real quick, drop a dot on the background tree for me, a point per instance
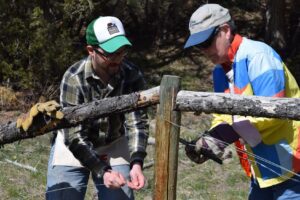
(275, 24)
(41, 38)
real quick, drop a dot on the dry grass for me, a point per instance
(8, 98)
(207, 181)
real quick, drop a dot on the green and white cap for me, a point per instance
(107, 32)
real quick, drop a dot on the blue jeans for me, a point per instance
(70, 183)
(290, 189)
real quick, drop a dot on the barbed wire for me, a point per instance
(248, 153)
(259, 160)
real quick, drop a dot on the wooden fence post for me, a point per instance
(167, 135)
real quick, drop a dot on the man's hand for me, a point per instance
(206, 144)
(37, 112)
(113, 179)
(137, 177)
(212, 143)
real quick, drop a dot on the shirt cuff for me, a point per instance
(137, 157)
(248, 132)
(99, 171)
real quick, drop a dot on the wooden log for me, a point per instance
(166, 137)
(84, 113)
(284, 108)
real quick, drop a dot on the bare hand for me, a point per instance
(137, 177)
(113, 179)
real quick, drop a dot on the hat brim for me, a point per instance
(115, 43)
(198, 38)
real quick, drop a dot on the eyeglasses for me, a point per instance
(207, 43)
(111, 56)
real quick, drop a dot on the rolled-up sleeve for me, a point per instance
(137, 124)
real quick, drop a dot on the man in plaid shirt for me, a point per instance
(112, 148)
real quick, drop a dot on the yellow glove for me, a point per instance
(49, 108)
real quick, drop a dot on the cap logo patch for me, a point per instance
(194, 23)
(112, 28)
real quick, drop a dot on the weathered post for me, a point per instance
(167, 135)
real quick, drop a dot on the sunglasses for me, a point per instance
(111, 56)
(207, 43)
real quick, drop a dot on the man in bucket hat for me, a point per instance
(109, 149)
(248, 67)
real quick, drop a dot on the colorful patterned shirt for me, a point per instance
(258, 70)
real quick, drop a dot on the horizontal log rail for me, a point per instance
(257, 106)
(284, 108)
(83, 113)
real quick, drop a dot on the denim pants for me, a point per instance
(70, 183)
(290, 189)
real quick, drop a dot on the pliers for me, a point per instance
(203, 151)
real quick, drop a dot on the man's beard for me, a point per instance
(113, 68)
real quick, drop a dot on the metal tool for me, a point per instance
(203, 151)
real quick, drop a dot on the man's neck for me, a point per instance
(102, 74)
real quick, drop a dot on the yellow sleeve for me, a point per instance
(265, 126)
(220, 118)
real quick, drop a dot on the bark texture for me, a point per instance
(83, 114)
(284, 108)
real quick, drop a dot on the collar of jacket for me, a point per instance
(235, 44)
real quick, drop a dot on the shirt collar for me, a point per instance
(90, 74)
(234, 46)
(88, 69)
(237, 40)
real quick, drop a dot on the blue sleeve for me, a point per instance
(266, 74)
(219, 79)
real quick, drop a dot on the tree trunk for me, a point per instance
(294, 27)
(275, 25)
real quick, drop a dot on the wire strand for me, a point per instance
(258, 160)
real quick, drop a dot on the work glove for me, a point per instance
(39, 115)
(212, 143)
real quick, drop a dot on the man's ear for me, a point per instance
(90, 49)
(226, 28)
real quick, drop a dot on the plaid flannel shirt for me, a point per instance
(81, 85)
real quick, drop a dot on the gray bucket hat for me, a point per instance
(203, 22)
